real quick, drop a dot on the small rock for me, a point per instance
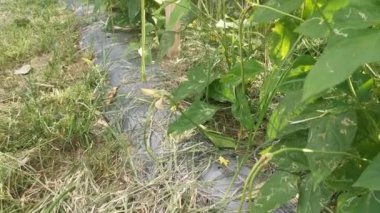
(25, 69)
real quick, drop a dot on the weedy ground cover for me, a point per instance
(47, 116)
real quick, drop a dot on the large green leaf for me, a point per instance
(359, 14)
(198, 113)
(277, 190)
(219, 140)
(314, 27)
(291, 161)
(332, 133)
(346, 174)
(370, 178)
(265, 15)
(251, 69)
(198, 78)
(342, 56)
(241, 109)
(221, 92)
(133, 9)
(363, 203)
(312, 199)
(330, 7)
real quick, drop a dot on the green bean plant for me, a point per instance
(306, 72)
(314, 65)
(149, 16)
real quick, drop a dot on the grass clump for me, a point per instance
(55, 155)
(48, 117)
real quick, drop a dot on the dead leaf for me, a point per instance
(159, 104)
(101, 122)
(111, 95)
(154, 93)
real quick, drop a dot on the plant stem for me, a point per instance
(143, 40)
(251, 177)
(241, 38)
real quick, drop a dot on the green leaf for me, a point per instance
(251, 69)
(308, 8)
(219, 140)
(283, 38)
(301, 65)
(292, 161)
(265, 15)
(370, 178)
(312, 200)
(277, 190)
(359, 14)
(332, 133)
(314, 27)
(198, 113)
(296, 77)
(364, 202)
(286, 112)
(365, 89)
(330, 7)
(241, 109)
(342, 56)
(221, 92)
(133, 9)
(199, 77)
(327, 7)
(346, 174)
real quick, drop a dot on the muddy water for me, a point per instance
(144, 125)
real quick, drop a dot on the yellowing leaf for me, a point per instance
(89, 62)
(222, 161)
(154, 93)
(284, 37)
(173, 108)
